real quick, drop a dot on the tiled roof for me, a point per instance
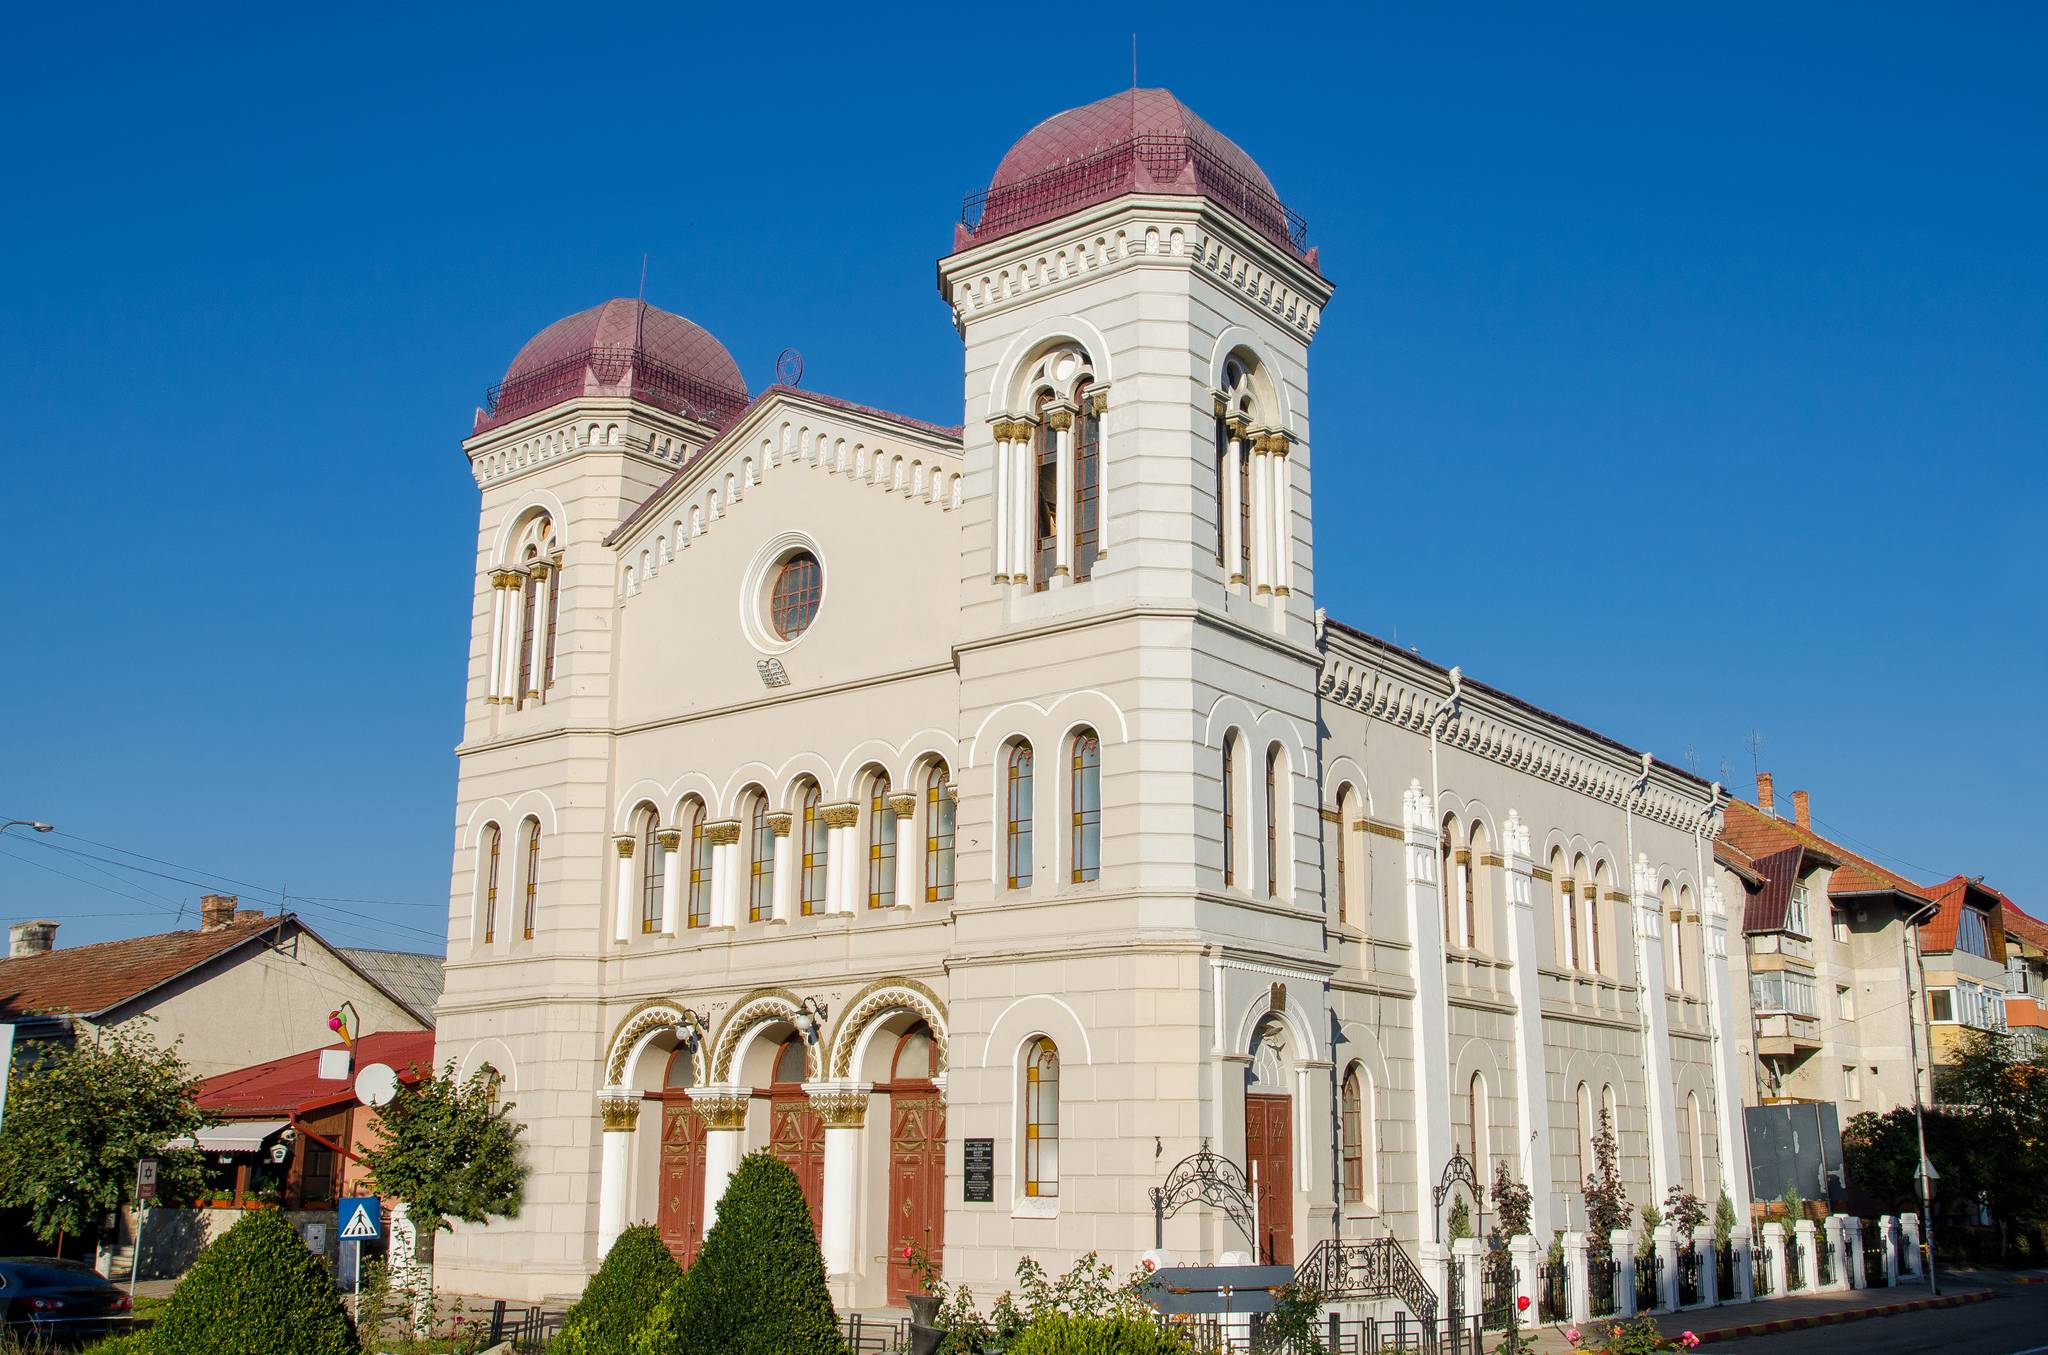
(414, 979)
(2024, 925)
(292, 1085)
(90, 980)
(626, 323)
(1739, 861)
(1783, 851)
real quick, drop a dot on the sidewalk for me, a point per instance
(1733, 1321)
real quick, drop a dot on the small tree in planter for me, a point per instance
(1724, 1220)
(1606, 1200)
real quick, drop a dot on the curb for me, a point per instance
(1785, 1324)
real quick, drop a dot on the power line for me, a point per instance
(94, 884)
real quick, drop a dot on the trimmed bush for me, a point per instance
(758, 1286)
(129, 1343)
(255, 1288)
(1061, 1334)
(638, 1269)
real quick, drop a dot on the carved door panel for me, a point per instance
(682, 1180)
(796, 1134)
(1269, 1143)
(917, 1183)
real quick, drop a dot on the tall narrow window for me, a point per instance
(1475, 1111)
(1468, 890)
(1343, 851)
(700, 869)
(1229, 810)
(1244, 502)
(813, 840)
(1354, 1139)
(761, 867)
(1087, 793)
(1041, 1119)
(1017, 818)
(491, 883)
(1568, 897)
(938, 836)
(1273, 822)
(1447, 878)
(1046, 520)
(881, 844)
(1585, 1109)
(650, 871)
(1087, 482)
(1222, 488)
(528, 597)
(531, 908)
(1593, 906)
(547, 675)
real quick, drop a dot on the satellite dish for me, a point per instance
(376, 1084)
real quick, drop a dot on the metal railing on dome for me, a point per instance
(651, 380)
(1113, 170)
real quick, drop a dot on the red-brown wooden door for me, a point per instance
(1269, 1143)
(682, 1179)
(796, 1133)
(917, 1181)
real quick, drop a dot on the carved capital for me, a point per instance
(620, 1113)
(779, 821)
(721, 1107)
(505, 578)
(840, 1105)
(669, 838)
(903, 806)
(1098, 401)
(1237, 426)
(624, 846)
(723, 833)
(840, 815)
(540, 569)
(1059, 418)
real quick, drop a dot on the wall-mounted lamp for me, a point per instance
(810, 1019)
(688, 1030)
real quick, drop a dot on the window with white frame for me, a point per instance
(1971, 935)
(1852, 1082)
(1941, 1004)
(1845, 1001)
(1795, 912)
(1784, 991)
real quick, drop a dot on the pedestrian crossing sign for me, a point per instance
(359, 1219)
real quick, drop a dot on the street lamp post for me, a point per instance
(37, 824)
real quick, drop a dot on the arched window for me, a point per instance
(938, 835)
(881, 844)
(1353, 1128)
(1273, 822)
(1222, 487)
(813, 840)
(680, 1072)
(1229, 809)
(1087, 481)
(1468, 881)
(1041, 1119)
(650, 870)
(529, 607)
(1667, 899)
(1568, 913)
(1596, 887)
(913, 1058)
(1697, 1153)
(1347, 804)
(699, 902)
(791, 1067)
(531, 907)
(1584, 1103)
(1087, 799)
(760, 862)
(547, 670)
(1448, 888)
(1046, 521)
(1477, 1121)
(490, 882)
(1017, 817)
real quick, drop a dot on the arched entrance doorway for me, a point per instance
(682, 1161)
(796, 1133)
(1269, 1145)
(917, 1158)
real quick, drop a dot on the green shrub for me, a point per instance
(256, 1288)
(1062, 1334)
(614, 1305)
(129, 1343)
(758, 1286)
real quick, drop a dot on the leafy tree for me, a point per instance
(1684, 1212)
(79, 1119)
(1511, 1202)
(450, 1150)
(1646, 1244)
(255, 1288)
(1724, 1220)
(1794, 1206)
(1064, 1334)
(1606, 1200)
(614, 1303)
(758, 1285)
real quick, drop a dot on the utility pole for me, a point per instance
(1925, 1176)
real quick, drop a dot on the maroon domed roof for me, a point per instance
(1136, 141)
(623, 347)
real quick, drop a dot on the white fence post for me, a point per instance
(1623, 1241)
(1909, 1224)
(1743, 1245)
(1774, 1257)
(1576, 1305)
(1888, 1232)
(1809, 1255)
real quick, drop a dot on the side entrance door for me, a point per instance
(917, 1181)
(1269, 1144)
(682, 1179)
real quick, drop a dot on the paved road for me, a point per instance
(2014, 1322)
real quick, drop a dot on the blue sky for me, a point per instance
(1687, 374)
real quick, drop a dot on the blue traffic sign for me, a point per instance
(361, 1218)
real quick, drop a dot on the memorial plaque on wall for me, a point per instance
(981, 1171)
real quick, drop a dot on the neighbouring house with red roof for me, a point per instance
(2026, 974)
(1964, 957)
(241, 988)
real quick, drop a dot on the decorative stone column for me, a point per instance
(1429, 1029)
(724, 1112)
(1722, 1016)
(1279, 478)
(1742, 1243)
(844, 1108)
(536, 663)
(999, 503)
(1578, 1303)
(1060, 418)
(724, 837)
(619, 1108)
(1235, 548)
(1888, 1233)
(903, 807)
(1852, 1239)
(1621, 1245)
(1649, 913)
(842, 840)
(1774, 1257)
(1465, 1254)
(782, 901)
(1023, 502)
(1710, 1273)
(1525, 1257)
(671, 841)
(1909, 1229)
(1532, 1106)
(1664, 1240)
(623, 918)
(1098, 405)
(515, 639)
(1809, 1255)
(1831, 1229)
(494, 676)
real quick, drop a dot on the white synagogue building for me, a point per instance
(984, 818)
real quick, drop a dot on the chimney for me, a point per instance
(1802, 813)
(31, 938)
(1765, 801)
(216, 911)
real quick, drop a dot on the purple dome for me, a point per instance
(623, 347)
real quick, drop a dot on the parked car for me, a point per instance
(59, 1300)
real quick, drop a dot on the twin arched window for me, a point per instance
(881, 843)
(938, 835)
(527, 604)
(650, 870)
(698, 903)
(815, 859)
(760, 862)
(1048, 520)
(1017, 818)
(1041, 1119)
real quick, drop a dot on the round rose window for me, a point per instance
(793, 599)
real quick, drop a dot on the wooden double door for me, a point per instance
(796, 1134)
(917, 1180)
(682, 1179)
(1269, 1160)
